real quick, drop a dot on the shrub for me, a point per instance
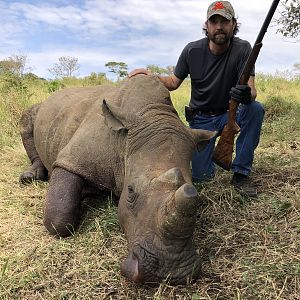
(94, 79)
(54, 85)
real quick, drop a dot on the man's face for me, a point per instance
(219, 29)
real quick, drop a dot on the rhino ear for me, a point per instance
(202, 137)
(114, 118)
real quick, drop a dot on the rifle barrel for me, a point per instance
(267, 21)
(250, 62)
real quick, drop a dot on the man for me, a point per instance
(214, 64)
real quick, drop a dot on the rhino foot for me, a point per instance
(39, 174)
(26, 178)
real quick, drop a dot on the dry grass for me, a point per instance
(250, 249)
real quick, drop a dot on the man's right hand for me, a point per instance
(139, 71)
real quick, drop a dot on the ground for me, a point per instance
(250, 248)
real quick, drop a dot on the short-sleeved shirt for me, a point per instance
(212, 76)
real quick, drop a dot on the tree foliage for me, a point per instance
(95, 79)
(297, 69)
(170, 69)
(155, 69)
(14, 64)
(118, 68)
(65, 67)
(289, 20)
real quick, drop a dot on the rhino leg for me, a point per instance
(37, 171)
(62, 206)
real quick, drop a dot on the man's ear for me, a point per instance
(234, 25)
(115, 118)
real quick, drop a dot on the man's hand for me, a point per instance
(171, 82)
(139, 71)
(241, 93)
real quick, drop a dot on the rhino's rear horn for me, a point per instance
(173, 176)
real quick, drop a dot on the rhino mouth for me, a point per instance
(144, 265)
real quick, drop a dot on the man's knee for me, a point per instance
(258, 108)
(254, 110)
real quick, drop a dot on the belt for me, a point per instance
(212, 113)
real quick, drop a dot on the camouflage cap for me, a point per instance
(223, 8)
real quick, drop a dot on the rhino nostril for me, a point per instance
(130, 269)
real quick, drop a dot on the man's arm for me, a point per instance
(171, 82)
(251, 83)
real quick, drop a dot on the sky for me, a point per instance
(137, 32)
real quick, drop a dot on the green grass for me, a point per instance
(250, 249)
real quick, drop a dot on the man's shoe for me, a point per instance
(243, 186)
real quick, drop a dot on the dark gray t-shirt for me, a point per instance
(212, 76)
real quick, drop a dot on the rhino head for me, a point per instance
(158, 203)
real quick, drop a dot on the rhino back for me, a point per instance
(70, 133)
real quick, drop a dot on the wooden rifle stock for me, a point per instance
(222, 155)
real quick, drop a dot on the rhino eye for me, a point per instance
(131, 195)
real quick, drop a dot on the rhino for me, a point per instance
(127, 139)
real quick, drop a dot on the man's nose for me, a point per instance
(219, 25)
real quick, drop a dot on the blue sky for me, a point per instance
(137, 32)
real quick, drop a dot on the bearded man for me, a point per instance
(214, 64)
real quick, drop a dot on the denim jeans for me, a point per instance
(249, 117)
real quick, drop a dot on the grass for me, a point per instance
(250, 249)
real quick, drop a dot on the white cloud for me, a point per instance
(138, 32)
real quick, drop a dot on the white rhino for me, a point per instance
(129, 140)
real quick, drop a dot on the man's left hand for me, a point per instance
(241, 93)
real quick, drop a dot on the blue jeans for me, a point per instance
(249, 117)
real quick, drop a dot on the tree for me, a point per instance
(297, 69)
(289, 19)
(155, 69)
(14, 64)
(95, 78)
(170, 69)
(65, 67)
(118, 68)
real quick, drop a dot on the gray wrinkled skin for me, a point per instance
(131, 141)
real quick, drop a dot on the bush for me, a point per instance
(94, 79)
(16, 94)
(277, 106)
(54, 85)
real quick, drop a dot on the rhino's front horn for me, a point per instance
(178, 215)
(173, 176)
(186, 200)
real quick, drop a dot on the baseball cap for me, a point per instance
(223, 8)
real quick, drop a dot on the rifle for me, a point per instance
(222, 155)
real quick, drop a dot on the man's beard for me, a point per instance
(220, 38)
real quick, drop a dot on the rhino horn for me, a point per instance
(173, 176)
(202, 137)
(178, 215)
(186, 199)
